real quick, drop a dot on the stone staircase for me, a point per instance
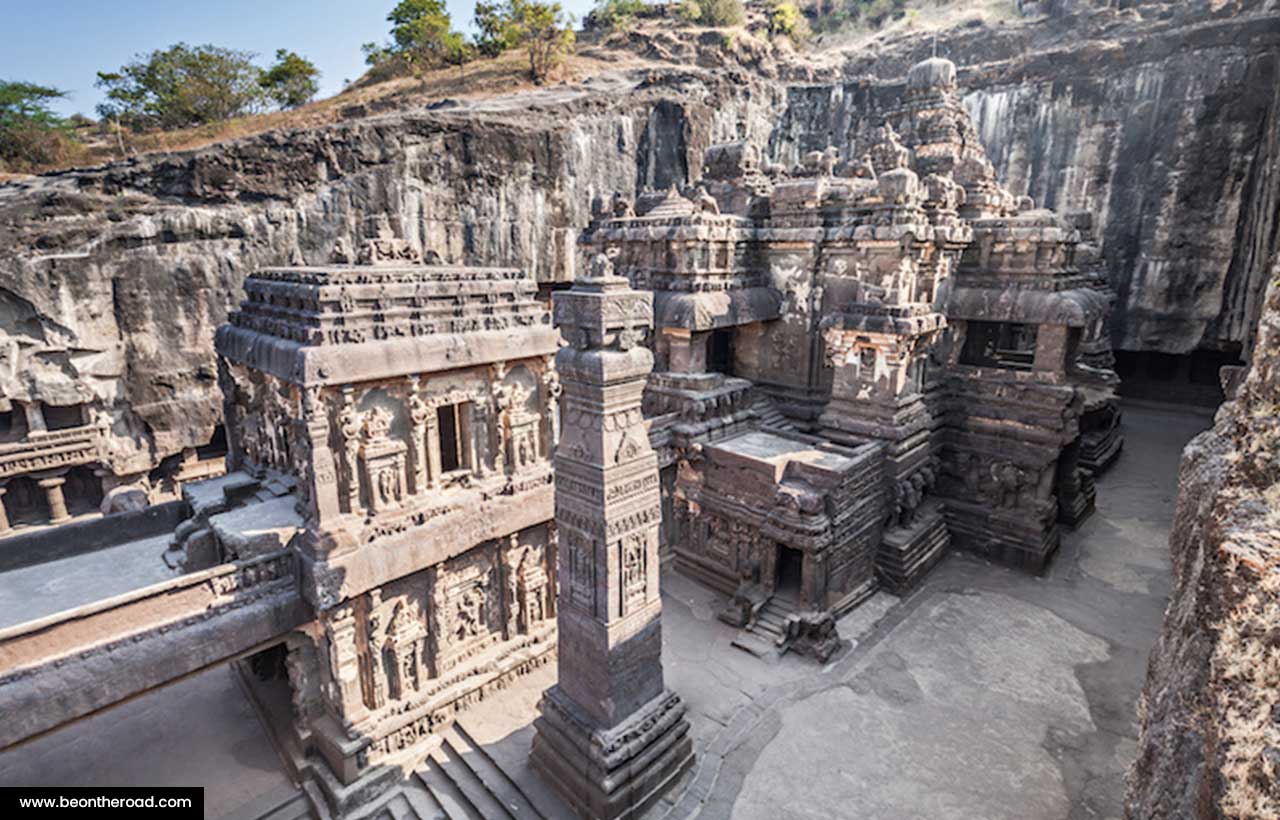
(767, 636)
(465, 783)
(771, 418)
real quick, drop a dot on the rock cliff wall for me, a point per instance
(1210, 740)
(113, 279)
(1160, 119)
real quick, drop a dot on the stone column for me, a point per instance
(35, 417)
(4, 514)
(611, 737)
(434, 467)
(53, 494)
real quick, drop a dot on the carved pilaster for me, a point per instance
(418, 413)
(322, 472)
(433, 448)
(551, 401)
(344, 691)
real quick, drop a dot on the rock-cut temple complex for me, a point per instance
(798, 385)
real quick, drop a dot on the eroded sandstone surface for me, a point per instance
(1210, 743)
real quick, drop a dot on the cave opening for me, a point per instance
(1190, 378)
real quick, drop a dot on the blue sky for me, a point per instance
(64, 43)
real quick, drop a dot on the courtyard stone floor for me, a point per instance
(985, 693)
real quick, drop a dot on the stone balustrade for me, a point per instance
(50, 451)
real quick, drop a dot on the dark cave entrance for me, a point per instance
(1191, 378)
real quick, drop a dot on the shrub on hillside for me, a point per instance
(31, 135)
(712, 13)
(618, 14)
(546, 31)
(722, 13)
(785, 20)
(292, 81)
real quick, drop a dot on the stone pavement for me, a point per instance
(201, 731)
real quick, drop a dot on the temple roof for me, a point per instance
(1074, 308)
(709, 310)
(384, 319)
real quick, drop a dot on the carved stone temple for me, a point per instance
(611, 736)
(409, 408)
(864, 359)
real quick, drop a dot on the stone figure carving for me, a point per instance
(830, 157)
(384, 247)
(621, 207)
(887, 151)
(470, 618)
(1008, 479)
(342, 253)
(349, 427)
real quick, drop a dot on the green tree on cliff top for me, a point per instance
(292, 81)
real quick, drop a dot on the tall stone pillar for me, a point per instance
(53, 494)
(611, 737)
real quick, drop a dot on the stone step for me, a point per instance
(460, 766)
(755, 643)
(399, 808)
(496, 781)
(453, 802)
(284, 804)
(771, 621)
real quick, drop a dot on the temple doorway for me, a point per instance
(720, 351)
(789, 572)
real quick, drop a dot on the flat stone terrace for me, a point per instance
(984, 693)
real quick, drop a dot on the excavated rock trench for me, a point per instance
(1164, 127)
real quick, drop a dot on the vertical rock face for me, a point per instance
(1176, 153)
(1210, 740)
(1159, 116)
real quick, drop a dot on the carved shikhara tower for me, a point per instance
(611, 736)
(412, 406)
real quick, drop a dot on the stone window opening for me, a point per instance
(63, 417)
(1006, 345)
(454, 424)
(8, 430)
